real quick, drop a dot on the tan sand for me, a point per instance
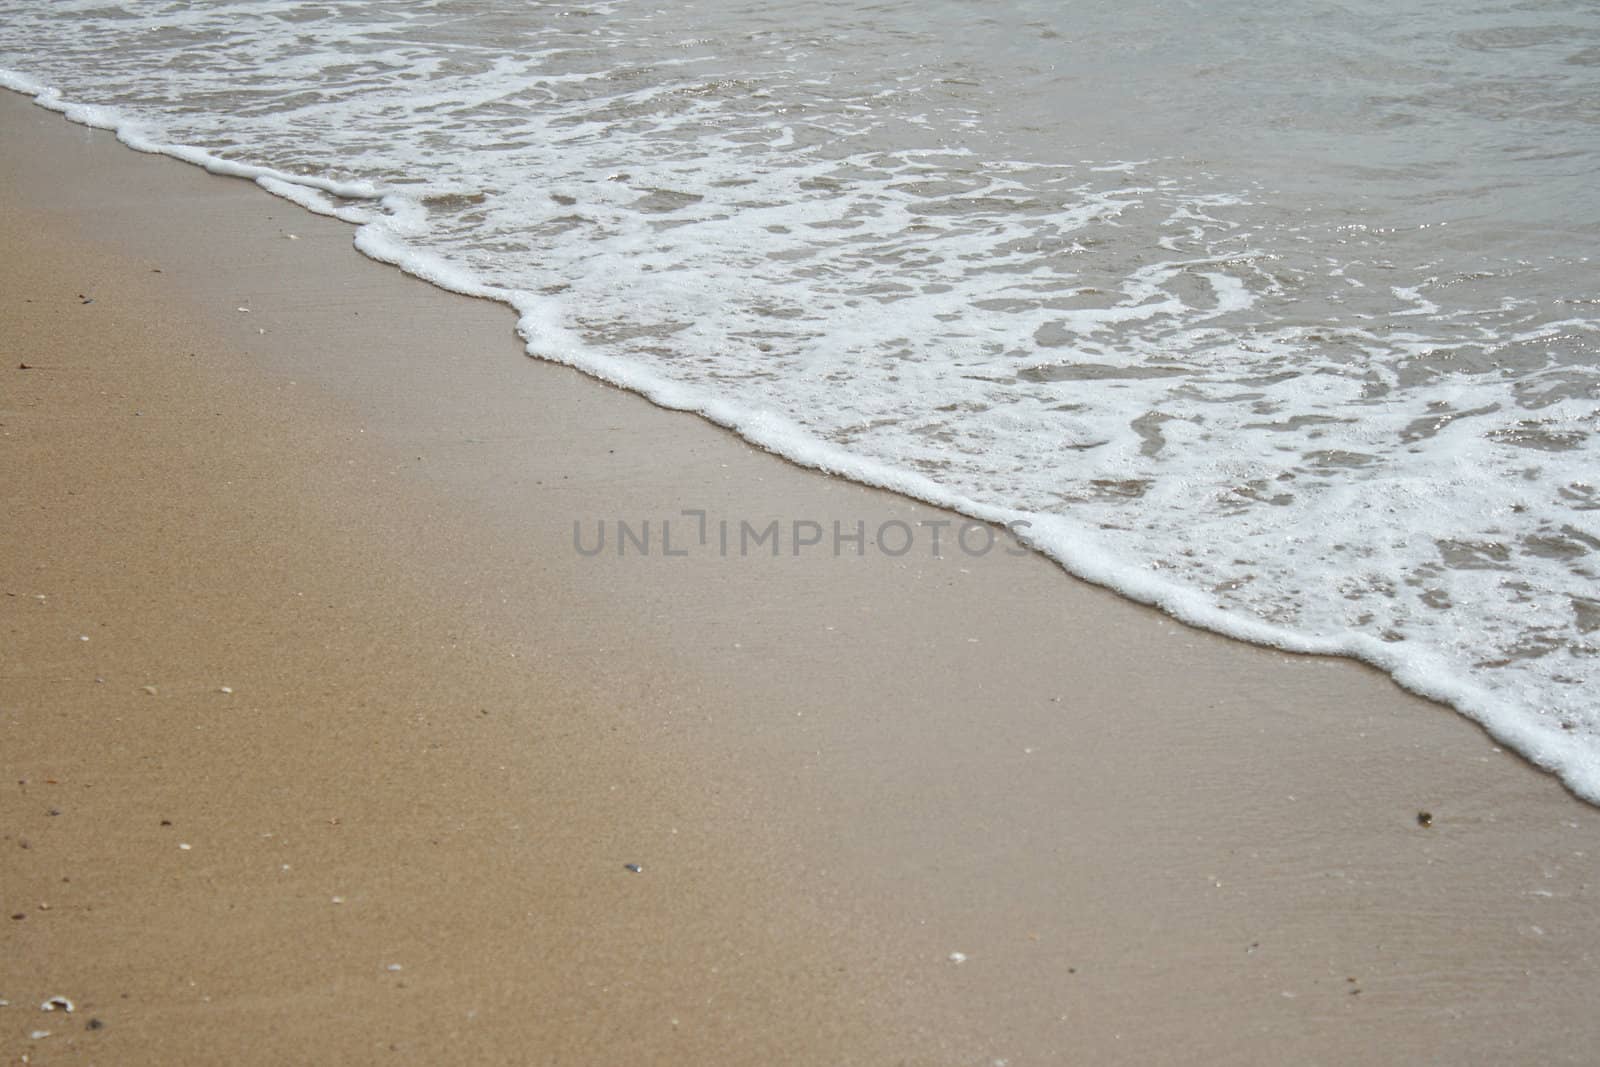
(959, 810)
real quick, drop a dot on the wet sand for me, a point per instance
(885, 809)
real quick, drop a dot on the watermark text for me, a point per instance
(694, 531)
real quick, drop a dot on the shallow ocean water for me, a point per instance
(1282, 317)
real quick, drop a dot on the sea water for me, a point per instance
(1283, 317)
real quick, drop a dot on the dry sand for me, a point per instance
(887, 810)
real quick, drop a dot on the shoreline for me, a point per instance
(1073, 550)
(1145, 841)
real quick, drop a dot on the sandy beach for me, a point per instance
(324, 739)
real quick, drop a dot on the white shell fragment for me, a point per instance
(59, 1004)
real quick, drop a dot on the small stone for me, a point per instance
(226, 690)
(38, 1035)
(394, 968)
(1424, 818)
(634, 867)
(94, 1024)
(958, 957)
(150, 689)
(185, 846)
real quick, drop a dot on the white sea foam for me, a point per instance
(1328, 427)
